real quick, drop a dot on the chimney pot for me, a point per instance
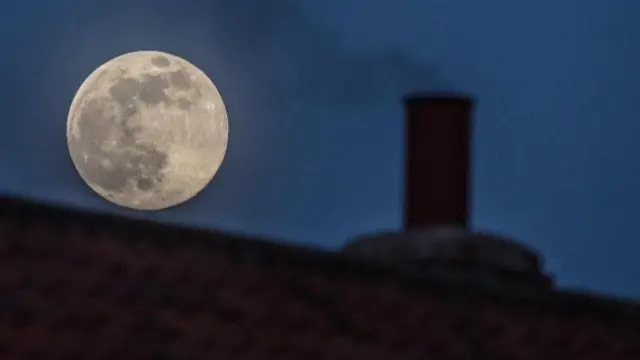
(437, 160)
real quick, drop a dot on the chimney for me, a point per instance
(437, 140)
(436, 242)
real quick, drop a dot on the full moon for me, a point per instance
(147, 130)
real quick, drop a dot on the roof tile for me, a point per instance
(76, 288)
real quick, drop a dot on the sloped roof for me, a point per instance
(87, 286)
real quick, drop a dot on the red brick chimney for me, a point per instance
(437, 142)
(436, 241)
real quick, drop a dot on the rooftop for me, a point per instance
(273, 295)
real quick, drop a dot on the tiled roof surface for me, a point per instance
(77, 286)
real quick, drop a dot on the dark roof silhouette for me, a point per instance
(87, 286)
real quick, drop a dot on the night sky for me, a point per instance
(313, 92)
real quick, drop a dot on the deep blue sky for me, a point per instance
(313, 87)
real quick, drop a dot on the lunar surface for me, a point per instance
(147, 130)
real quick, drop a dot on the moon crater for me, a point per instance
(147, 130)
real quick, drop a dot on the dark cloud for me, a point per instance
(320, 69)
(279, 48)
